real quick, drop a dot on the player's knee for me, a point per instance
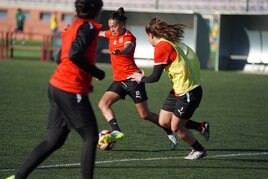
(165, 124)
(102, 105)
(175, 129)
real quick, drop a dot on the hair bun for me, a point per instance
(121, 11)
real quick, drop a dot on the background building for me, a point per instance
(226, 34)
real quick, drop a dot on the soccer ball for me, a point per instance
(105, 144)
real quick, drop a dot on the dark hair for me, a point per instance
(119, 15)
(88, 8)
(161, 29)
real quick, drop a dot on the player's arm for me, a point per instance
(162, 58)
(163, 55)
(155, 76)
(127, 48)
(84, 37)
(101, 34)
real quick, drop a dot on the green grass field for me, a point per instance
(236, 104)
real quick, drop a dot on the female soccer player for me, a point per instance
(122, 44)
(68, 89)
(183, 68)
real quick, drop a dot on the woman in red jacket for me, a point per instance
(68, 89)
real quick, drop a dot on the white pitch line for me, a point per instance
(139, 159)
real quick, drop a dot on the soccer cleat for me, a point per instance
(173, 141)
(114, 136)
(205, 130)
(194, 155)
(11, 177)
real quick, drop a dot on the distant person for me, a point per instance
(183, 69)
(55, 35)
(68, 89)
(20, 19)
(53, 23)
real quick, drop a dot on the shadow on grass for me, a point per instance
(185, 149)
(193, 165)
(239, 150)
(181, 167)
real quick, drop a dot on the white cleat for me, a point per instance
(194, 155)
(173, 141)
(205, 130)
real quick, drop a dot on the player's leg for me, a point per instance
(78, 114)
(56, 135)
(165, 118)
(146, 114)
(89, 135)
(88, 152)
(54, 140)
(105, 105)
(138, 94)
(178, 126)
(165, 121)
(185, 107)
(114, 93)
(202, 127)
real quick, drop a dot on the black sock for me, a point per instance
(167, 130)
(194, 125)
(114, 125)
(197, 146)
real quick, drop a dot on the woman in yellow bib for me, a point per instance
(183, 68)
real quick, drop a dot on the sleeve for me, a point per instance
(107, 34)
(155, 76)
(162, 53)
(129, 39)
(85, 34)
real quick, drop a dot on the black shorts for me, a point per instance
(69, 110)
(127, 87)
(183, 106)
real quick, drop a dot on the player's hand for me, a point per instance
(90, 89)
(116, 52)
(101, 75)
(137, 76)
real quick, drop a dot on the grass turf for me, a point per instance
(234, 103)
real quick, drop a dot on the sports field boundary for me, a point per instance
(140, 159)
